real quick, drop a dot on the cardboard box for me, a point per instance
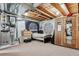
(26, 33)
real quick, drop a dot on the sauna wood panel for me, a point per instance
(63, 32)
(77, 31)
(60, 36)
(57, 34)
(78, 7)
(73, 31)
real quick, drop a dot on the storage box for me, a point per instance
(26, 33)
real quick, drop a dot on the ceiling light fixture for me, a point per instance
(25, 14)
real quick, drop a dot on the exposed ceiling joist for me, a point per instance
(35, 18)
(35, 15)
(57, 6)
(42, 8)
(38, 15)
(72, 7)
(41, 14)
(47, 11)
(47, 15)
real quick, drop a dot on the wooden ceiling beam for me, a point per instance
(35, 18)
(38, 15)
(42, 8)
(57, 6)
(47, 15)
(42, 15)
(72, 7)
(36, 11)
(35, 15)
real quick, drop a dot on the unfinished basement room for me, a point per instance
(39, 29)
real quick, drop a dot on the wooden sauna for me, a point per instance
(67, 31)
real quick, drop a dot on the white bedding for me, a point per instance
(38, 35)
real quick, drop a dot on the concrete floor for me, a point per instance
(36, 48)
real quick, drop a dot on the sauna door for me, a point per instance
(70, 32)
(59, 31)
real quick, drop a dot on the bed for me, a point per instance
(38, 36)
(48, 31)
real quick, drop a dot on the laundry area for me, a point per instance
(39, 29)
